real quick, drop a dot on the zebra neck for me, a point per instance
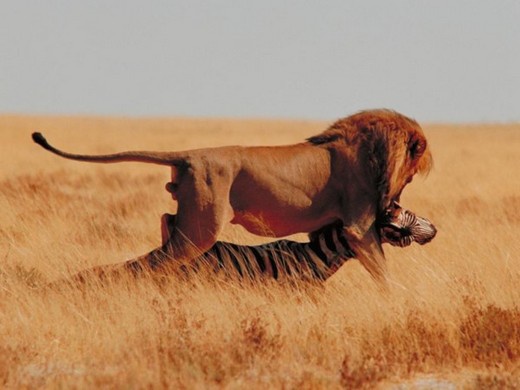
(331, 248)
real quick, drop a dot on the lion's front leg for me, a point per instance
(368, 250)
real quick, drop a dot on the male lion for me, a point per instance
(352, 171)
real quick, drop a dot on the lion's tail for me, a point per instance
(161, 158)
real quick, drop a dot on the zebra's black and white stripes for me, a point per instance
(317, 259)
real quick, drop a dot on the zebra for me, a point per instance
(318, 259)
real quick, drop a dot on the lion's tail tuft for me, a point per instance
(40, 140)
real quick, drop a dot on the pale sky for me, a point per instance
(437, 61)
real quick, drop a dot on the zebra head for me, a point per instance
(397, 227)
(401, 227)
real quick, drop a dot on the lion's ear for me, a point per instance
(324, 138)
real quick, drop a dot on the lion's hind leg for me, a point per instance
(203, 210)
(167, 227)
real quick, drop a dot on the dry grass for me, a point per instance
(452, 316)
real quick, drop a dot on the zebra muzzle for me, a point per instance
(423, 231)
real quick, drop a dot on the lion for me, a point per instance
(351, 172)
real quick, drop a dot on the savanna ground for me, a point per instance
(451, 318)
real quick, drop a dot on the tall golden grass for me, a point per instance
(451, 317)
